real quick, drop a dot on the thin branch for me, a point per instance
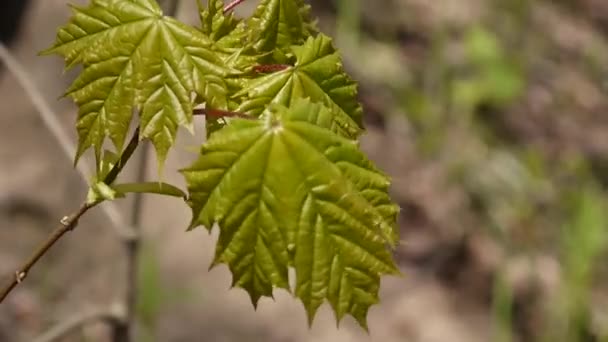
(124, 158)
(130, 235)
(67, 224)
(50, 120)
(232, 5)
(78, 321)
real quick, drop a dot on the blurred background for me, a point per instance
(491, 117)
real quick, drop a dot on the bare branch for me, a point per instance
(67, 224)
(78, 321)
(124, 158)
(128, 234)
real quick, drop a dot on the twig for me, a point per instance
(67, 327)
(50, 120)
(124, 158)
(122, 326)
(232, 5)
(69, 223)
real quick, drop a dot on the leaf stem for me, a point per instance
(232, 5)
(268, 68)
(159, 188)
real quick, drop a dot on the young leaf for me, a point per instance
(230, 43)
(217, 25)
(229, 35)
(135, 59)
(279, 24)
(287, 192)
(318, 74)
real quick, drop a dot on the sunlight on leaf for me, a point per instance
(284, 181)
(279, 24)
(135, 60)
(318, 74)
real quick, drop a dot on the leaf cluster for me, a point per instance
(281, 173)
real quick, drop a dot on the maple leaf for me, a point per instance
(279, 24)
(374, 192)
(136, 60)
(223, 28)
(317, 74)
(287, 191)
(230, 43)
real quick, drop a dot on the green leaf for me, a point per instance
(375, 192)
(305, 110)
(214, 23)
(286, 191)
(318, 74)
(279, 24)
(228, 33)
(136, 60)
